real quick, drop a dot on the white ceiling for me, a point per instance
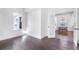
(30, 9)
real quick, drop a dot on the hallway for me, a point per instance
(34, 29)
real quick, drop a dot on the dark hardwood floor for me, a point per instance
(57, 44)
(30, 43)
(21, 43)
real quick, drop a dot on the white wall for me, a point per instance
(44, 22)
(34, 23)
(6, 22)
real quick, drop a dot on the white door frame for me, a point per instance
(49, 31)
(75, 27)
(75, 31)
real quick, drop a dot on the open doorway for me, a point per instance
(61, 24)
(65, 24)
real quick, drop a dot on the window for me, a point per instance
(17, 23)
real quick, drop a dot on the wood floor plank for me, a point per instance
(30, 43)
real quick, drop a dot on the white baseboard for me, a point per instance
(43, 36)
(38, 36)
(51, 36)
(9, 37)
